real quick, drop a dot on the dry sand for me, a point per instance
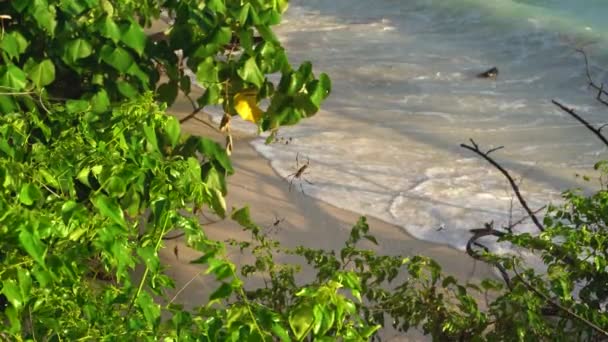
(306, 222)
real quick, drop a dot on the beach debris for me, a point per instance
(275, 138)
(299, 174)
(490, 73)
(283, 140)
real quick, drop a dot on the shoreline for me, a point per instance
(305, 221)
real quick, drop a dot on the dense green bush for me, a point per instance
(94, 174)
(96, 50)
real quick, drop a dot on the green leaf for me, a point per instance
(109, 29)
(14, 44)
(222, 292)
(215, 151)
(11, 290)
(206, 49)
(244, 14)
(251, 73)
(20, 5)
(301, 320)
(42, 73)
(109, 208)
(317, 313)
(76, 49)
(29, 194)
(13, 78)
(172, 129)
(319, 89)
(74, 7)
(367, 332)
(167, 92)
(212, 178)
(149, 256)
(207, 71)
(372, 239)
(243, 218)
(25, 283)
(45, 16)
(7, 105)
(127, 89)
(77, 106)
(222, 36)
(150, 134)
(136, 71)
(280, 332)
(149, 308)
(68, 209)
(118, 58)
(132, 201)
(134, 37)
(32, 245)
(218, 203)
(185, 84)
(211, 96)
(100, 102)
(115, 186)
(107, 7)
(218, 6)
(220, 268)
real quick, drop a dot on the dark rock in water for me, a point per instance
(490, 73)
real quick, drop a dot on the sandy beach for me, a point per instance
(305, 221)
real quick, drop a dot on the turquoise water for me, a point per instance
(405, 96)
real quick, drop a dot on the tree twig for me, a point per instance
(478, 233)
(600, 88)
(596, 131)
(522, 201)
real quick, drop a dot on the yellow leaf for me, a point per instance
(246, 106)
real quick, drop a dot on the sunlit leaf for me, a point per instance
(42, 73)
(251, 73)
(246, 106)
(12, 77)
(29, 194)
(134, 37)
(301, 320)
(76, 49)
(32, 245)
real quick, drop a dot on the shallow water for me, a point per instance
(405, 96)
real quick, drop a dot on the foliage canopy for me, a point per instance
(94, 175)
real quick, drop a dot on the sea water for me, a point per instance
(405, 96)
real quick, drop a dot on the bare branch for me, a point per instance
(191, 115)
(494, 149)
(174, 236)
(592, 84)
(478, 233)
(518, 222)
(585, 123)
(514, 186)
